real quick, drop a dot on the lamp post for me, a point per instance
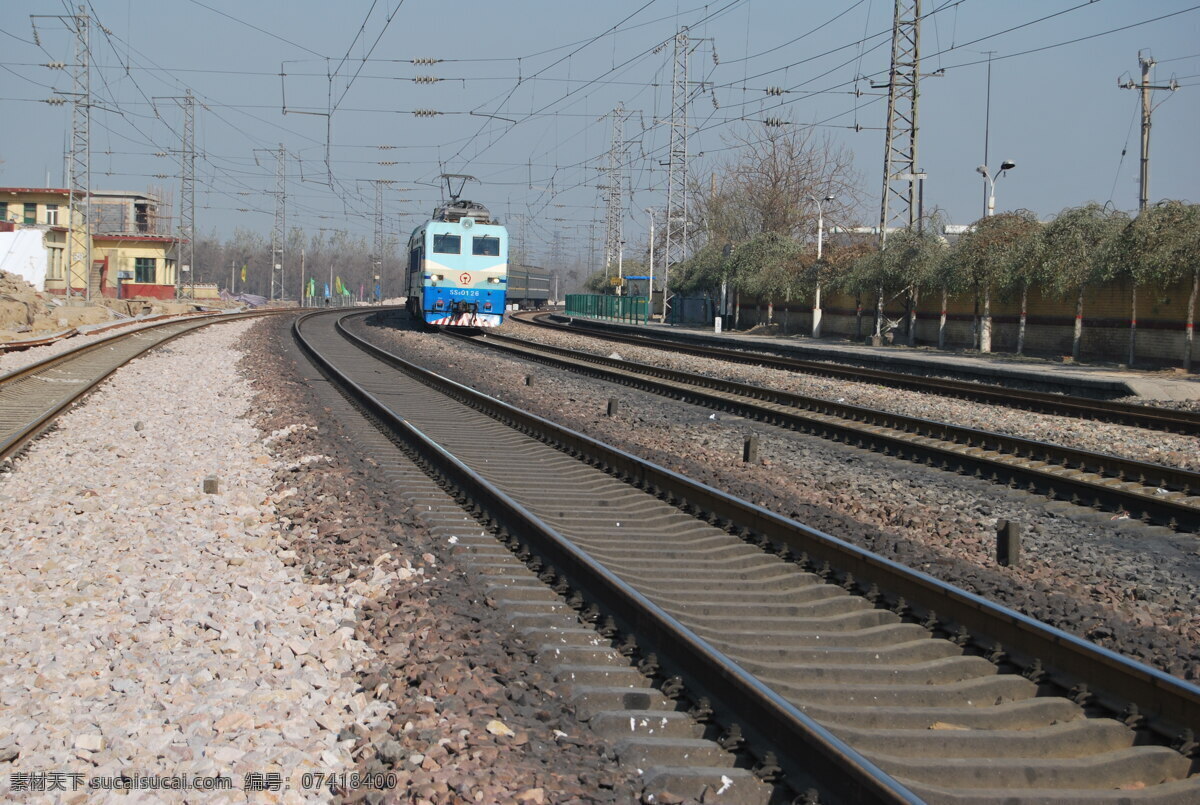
(982, 170)
(816, 311)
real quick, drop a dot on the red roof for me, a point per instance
(57, 191)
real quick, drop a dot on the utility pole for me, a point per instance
(899, 201)
(79, 246)
(279, 232)
(185, 260)
(379, 236)
(676, 232)
(613, 212)
(1147, 63)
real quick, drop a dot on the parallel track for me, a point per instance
(825, 654)
(1141, 416)
(1167, 496)
(33, 396)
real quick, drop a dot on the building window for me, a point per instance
(486, 247)
(144, 269)
(30, 213)
(52, 214)
(3, 210)
(447, 244)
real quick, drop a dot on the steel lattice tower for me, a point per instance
(614, 213)
(899, 202)
(379, 236)
(278, 233)
(676, 231)
(81, 160)
(187, 201)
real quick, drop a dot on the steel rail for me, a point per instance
(1017, 461)
(29, 409)
(1141, 416)
(804, 748)
(1046, 653)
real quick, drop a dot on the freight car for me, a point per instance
(529, 287)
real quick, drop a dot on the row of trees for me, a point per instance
(753, 233)
(1006, 256)
(335, 252)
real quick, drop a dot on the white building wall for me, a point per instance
(24, 253)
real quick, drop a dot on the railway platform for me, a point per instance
(1041, 374)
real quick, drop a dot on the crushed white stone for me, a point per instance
(149, 628)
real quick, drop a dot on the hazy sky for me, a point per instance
(548, 72)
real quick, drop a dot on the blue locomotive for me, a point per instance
(458, 265)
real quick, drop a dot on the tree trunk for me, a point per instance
(975, 322)
(770, 311)
(912, 319)
(737, 310)
(1133, 327)
(1189, 332)
(1021, 325)
(1075, 343)
(816, 311)
(879, 314)
(985, 332)
(942, 320)
(858, 318)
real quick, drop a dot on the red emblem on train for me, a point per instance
(464, 278)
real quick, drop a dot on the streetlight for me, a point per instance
(982, 170)
(816, 317)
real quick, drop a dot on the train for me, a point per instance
(529, 287)
(458, 265)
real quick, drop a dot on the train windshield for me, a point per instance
(447, 244)
(486, 247)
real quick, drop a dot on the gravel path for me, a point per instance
(1115, 582)
(12, 361)
(151, 628)
(1120, 440)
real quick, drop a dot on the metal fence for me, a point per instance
(634, 309)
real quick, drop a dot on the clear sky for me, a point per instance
(548, 72)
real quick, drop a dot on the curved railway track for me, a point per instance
(33, 396)
(1141, 416)
(1168, 496)
(861, 677)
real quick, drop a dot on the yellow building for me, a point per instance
(131, 246)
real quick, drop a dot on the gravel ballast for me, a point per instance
(1157, 447)
(1112, 581)
(150, 628)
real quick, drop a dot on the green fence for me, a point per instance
(621, 308)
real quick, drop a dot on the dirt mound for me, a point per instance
(20, 305)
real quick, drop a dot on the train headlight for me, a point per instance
(494, 280)
(439, 277)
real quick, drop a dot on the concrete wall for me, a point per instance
(1161, 315)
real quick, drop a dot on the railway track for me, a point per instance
(33, 396)
(1141, 416)
(835, 667)
(1167, 496)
